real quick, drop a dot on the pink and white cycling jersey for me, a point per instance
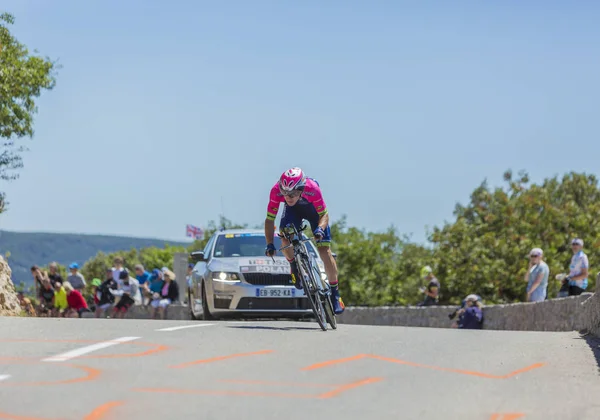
(312, 193)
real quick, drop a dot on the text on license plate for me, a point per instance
(275, 292)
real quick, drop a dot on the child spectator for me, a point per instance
(26, 304)
(60, 299)
(77, 304)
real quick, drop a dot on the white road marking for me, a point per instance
(184, 326)
(87, 349)
(3, 377)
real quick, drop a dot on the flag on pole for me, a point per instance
(194, 231)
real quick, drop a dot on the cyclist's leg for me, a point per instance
(289, 216)
(324, 247)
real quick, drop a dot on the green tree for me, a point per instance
(22, 78)
(377, 268)
(485, 250)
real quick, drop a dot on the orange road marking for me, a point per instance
(329, 394)
(97, 414)
(100, 411)
(419, 365)
(508, 416)
(6, 416)
(91, 374)
(219, 358)
(347, 387)
(281, 384)
(209, 392)
(335, 362)
(156, 348)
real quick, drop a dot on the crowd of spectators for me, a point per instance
(113, 296)
(470, 313)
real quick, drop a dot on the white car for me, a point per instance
(233, 276)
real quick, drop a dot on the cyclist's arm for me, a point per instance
(269, 230)
(324, 220)
(272, 208)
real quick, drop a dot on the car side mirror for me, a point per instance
(197, 256)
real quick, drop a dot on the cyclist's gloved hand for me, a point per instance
(319, 233)
(270, 251)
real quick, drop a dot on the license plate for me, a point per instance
(275, 293)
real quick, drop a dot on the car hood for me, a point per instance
(275, 265)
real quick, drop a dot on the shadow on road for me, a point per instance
(262, 327)
(594, 344)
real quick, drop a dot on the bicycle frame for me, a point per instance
(300, 250)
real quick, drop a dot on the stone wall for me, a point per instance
(564, 314)
(9, 302)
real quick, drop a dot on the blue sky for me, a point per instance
(399, 109)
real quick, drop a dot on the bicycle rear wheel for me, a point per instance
(329, 314)
(312, 293)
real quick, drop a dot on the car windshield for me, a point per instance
(247, 245)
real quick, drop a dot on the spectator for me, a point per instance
(537, 276)
(470, 316)
(118, 262)
(433, 287)
(154, 284)
(76, 279)
(105, 293)
(96, 282)
(168, 294)
(26, 304)
(188, 279)
(577, 280)
(128, 289)
(53, 273)
(141, 275)
(60, 299)
(38, 278)
(77, 304)
(46, 306)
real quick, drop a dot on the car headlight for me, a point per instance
(226, 277)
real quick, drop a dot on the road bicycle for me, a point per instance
(317, 290)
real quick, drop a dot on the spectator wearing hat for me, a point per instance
(537, 276)
(470, 316)
(76, 278)
(433, 287)
(577, 280)
(169, 293)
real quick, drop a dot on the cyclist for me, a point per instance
(303, 201)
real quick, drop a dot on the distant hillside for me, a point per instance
(27, 249)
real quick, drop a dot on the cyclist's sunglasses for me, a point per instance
(292, 194)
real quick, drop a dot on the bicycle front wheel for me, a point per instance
(312, 293)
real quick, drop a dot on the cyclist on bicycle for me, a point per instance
(303, 201)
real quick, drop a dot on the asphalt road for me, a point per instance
(141, 369)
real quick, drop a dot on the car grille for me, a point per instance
(267, 279)
(273, 303)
